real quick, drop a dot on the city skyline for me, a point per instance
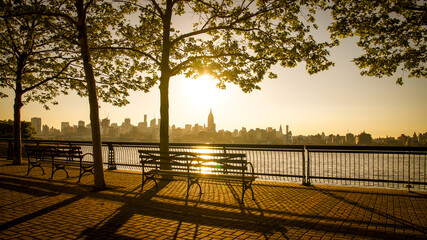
(208, 126)
(148, 131)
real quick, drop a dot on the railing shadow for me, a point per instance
(404, 223)
(200, 212)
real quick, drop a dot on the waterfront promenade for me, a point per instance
(35, 207)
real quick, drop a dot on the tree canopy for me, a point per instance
(392, 34)
(83, 25)
(34, 61)
(233, 41)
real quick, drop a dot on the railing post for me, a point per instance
(304, 180)
(307, 168)
(111, 158)
(409, 186)
(9, 149)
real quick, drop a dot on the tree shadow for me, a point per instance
(184, 211)
(21, 186)
(404, 223)
(40, 212)
(165, 205)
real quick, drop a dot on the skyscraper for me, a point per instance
(211, 124)
(37, 124)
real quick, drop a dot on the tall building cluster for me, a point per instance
(150, 131)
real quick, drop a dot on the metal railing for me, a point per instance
(392, 167)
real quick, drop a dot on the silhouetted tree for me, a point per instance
(33, 62)
(86, 25)
(392, 33)
(6, 129)
(233, 41)
(364, 139)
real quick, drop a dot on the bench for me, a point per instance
(194, 166)
(58, 156)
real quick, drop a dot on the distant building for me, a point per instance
(211, 124)
(153, 123)
(81, 129)
(105, 126)
(287, 139)
(350, 139)
(187, 128)
(37, 124)
(45, 130)
(65, 128)
(126, 126)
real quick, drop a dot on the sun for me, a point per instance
(203, 91)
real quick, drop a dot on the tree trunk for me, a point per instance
(164, 115)
(164, 79)
(17, 150)
(99, 181)
(164, 121)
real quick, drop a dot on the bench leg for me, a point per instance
(59, 167)
(145, 177)
(190, 182)
(83, 171)
(246, 186)
(33, 166)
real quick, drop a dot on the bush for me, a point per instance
(6, 129)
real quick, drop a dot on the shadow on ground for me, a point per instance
(279, 211)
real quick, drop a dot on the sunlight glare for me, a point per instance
(203, 91)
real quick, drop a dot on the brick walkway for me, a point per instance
(34, 207)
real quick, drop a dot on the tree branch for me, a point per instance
(157, 7)
(88, 5)
(139, 6)
(185, 64)
(49, 78)
(226, 27)
(41, 13)
(132, 50)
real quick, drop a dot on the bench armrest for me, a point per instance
(251, 169)
(84, 155)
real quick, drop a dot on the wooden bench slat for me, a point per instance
(59, 156)
(194, 165)
(202, 175)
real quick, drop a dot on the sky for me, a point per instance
(336, 101)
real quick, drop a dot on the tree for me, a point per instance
(33, 63)
(91, 21)
(392, 34)
(233, 41)
(86, 25)
(6, 129)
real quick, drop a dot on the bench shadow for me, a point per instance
(372, 210)
(212, 214)
(122, 215)
(18, 185)
(185, 212)
(40, 212)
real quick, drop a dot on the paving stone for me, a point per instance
(35, 207)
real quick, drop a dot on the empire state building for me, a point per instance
(211, 124)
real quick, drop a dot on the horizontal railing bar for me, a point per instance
(363, 151)
(365, 148)
(369, 180)
(278, 175)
